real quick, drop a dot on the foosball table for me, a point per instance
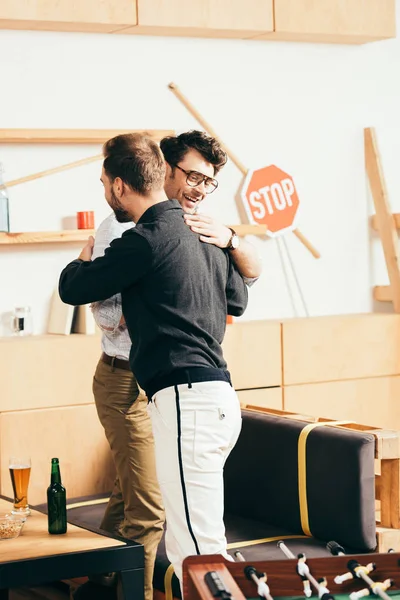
(337, 577)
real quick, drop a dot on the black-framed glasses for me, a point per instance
(194, 178)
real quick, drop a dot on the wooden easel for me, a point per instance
(383, 221)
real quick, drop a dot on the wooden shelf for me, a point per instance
(46, 237)
(72, 136)
(81, 235)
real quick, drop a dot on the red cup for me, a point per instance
(85, 219)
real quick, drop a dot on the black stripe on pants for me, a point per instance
(178, 417)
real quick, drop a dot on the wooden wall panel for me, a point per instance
(68, 15)
(265, 397)
(342, 347)
(373, 401)
(73, 434)
(44, 371)
(252, 350)
(343, 21)
(204, 18)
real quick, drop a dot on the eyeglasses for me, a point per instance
(194, 178)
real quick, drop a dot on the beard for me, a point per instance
(121, 214)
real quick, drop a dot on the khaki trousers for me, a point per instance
(135, 508)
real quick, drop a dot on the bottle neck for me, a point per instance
(55, 474)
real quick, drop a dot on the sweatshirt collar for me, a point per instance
(155, 211)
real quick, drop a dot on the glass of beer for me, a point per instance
(20, 472)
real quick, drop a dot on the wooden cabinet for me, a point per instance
(204, 18)
(68, 15)
(334, 21)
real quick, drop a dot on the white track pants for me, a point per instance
(194, 430)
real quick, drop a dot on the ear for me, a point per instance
(118, 186)
(168, 171)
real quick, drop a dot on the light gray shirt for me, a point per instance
(115, 340)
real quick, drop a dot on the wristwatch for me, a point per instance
(234, 240)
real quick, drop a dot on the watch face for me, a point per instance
(235, 242)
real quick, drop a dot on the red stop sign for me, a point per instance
(270, 198)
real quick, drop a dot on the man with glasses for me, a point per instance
(193, 159)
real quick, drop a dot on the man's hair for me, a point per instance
(137, 160)
(175, 148)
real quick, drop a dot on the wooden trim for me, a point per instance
(72, 136)
(50, 237)
(387, 228)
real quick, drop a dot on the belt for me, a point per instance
(189, 376)
(118, 363)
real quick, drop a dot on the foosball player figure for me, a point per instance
(260, 579)
(373, 589)
(323, 592)
(302, 570)
(355, 571)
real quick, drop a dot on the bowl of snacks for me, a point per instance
(10, 526)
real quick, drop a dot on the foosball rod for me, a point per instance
(262, 587)
(303, 569)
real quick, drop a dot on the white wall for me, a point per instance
(300, 106)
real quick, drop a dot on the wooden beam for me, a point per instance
(72, 136)
(386, 225)
(42, 237)
(383, 293)
(374, 221)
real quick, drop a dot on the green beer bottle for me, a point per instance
(56, 501)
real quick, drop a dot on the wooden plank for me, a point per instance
(267, 397)
(390, 493)
(203, 18)
(46, 237)
(385, 221)
(370, 400)
(252, 350)
(342, 21)
(340, 347)
(72, 136)
(46, 371)
(35, 541)
(64, 15)
(374, 221)
(383, 293)
(71, 433)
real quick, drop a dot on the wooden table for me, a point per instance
(37, 557)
